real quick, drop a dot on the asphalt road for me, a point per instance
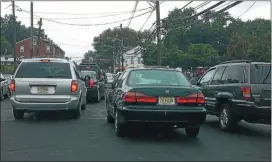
(57, 138)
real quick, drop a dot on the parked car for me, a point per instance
(156, 96)
(95, 88)
(4, 91)
(238, 90)
(47, 84)
(110, 77)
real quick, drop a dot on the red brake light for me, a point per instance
(12, 85)
(91, 83)
(246, 92)
(74, 86)
(133, 97)
(195, 98)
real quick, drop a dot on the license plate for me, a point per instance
(42, 89)
(166, 100)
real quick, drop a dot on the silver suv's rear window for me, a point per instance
(260, 74)
(44, 70)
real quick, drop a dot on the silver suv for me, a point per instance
(47, 84)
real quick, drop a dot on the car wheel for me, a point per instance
(77, 113)
(98, 96)
(227, 119)
(18, 114)
(8, 94)
(1, 95)
(83, 107)
(192, 131)
(119, 128)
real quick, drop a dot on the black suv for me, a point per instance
(238, 90)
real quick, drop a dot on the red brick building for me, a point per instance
(47, 48)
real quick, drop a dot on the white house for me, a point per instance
(133, 58)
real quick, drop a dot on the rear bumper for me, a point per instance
(186, 116)
(28, 106)
(92, 92)
(253, 113)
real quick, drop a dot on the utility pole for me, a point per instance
(31, 29)
(14, 36)
(158, 26)
(122, 41)
(113, 57)
(39, 35)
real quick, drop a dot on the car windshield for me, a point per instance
(157, 77)
(90, 68)
(260, 74)
(44, 70)
(92, 74)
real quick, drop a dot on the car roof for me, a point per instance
(89, 71)
(153, 68)
(239, 63)
(51, 60)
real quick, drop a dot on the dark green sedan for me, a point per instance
(156, 96)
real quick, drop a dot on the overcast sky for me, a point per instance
(76, 40)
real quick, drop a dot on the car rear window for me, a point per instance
(260, 74)
(90, 68)
(44, 70)
(157, 77)
(92, 74)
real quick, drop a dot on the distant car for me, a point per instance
(110, 77)
(47, 84)
(4, 91)
(162, 97)
(238, 90)
(8, 77)
(92, 67)
(95, 88)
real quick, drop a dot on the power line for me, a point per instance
(147, 19)
(202, 5)
(218, 12)
(105, 13)
(116, 14)
(187, 5)
(108, 23)
(247, 9)
(71, 18)
(132, 13)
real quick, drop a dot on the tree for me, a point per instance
(202, 55)
(237, 48)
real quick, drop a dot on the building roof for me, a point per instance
(134, 51)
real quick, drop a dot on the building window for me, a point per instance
(139, 60)
(22, 48)
(47, 49)
(34, 42)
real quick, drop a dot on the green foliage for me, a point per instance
(22, 32)
(213, 38)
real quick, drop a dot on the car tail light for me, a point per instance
(195, 98)
(12, 85)
(91, 83)
(74, 86)
(246, 91)
(136, 97)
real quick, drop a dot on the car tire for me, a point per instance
(18, 114)
(192, 131)
(110, 119)
(83, 107)
(77, 113)
(227, 119)
(119, 128)
(97, 99)
(1, 95)
(8, 94)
